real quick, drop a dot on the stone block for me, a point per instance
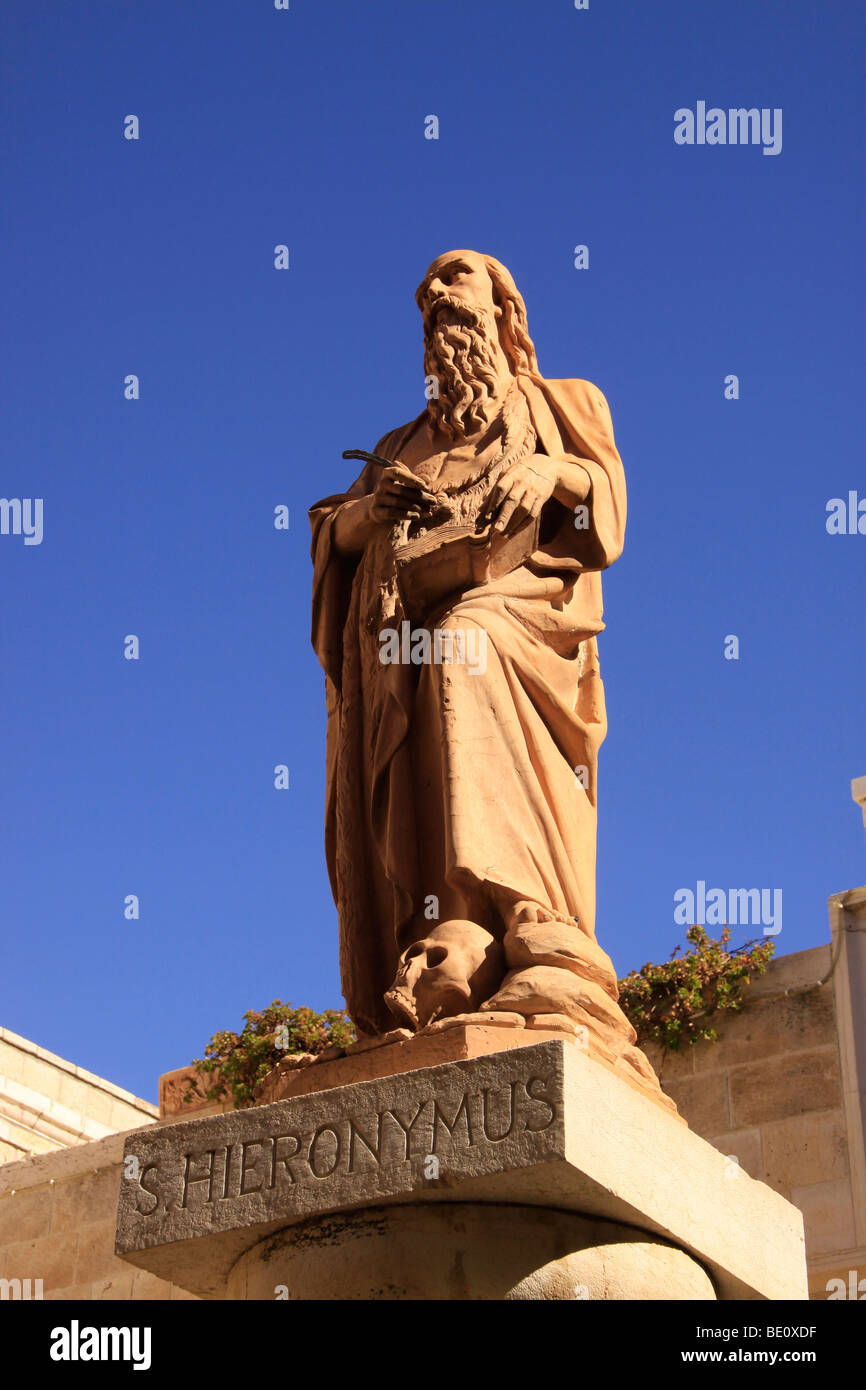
(805, 1149)
(115, 1287)
(14, 1064)
(702, 1101)
(798, 970)
(34, 1073)
(25, 1216)
(149, 1287)
(828, 1215)
(446, 1040)
(95, 1257)
(535, 1126)
(94, 1103)
(51, 1259)
(745, 1146)
(778, 1087)
(770, 1025)
(841, 1282)
(73, 1092)
(85, 1200)
(667, 1064)
(461, 1251)
(62, 1164)
(175, 1085)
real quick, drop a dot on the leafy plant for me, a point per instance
(239, 1062)
(673, 1004)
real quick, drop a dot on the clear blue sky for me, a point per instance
(155, 257)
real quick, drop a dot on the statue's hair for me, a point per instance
(519, 347)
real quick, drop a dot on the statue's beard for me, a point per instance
(461, 350)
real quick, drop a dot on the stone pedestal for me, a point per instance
(528, 1173)
(466, 1250)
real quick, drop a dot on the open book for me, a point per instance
(452, 559)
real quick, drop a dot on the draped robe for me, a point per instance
(476, 790)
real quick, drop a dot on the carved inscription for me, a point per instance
(353, 1144)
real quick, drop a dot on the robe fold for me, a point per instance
(454, 793)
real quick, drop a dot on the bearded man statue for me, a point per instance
(461, 796)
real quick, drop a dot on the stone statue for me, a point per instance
(456, 603)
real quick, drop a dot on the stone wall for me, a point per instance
(58, 1214)
(779, 1093)
(47, 1103)
(61, 1143)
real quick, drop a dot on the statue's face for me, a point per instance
(460, 275)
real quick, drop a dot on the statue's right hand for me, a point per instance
(399, 494)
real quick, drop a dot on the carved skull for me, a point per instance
(453, 970)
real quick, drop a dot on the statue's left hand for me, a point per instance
(521, 493)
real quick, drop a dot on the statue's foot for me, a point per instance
(547, 995)
(368, 1044)
(559, 943)
(526, 911)
(499, 1019)
(556, 1023)
(550, 989)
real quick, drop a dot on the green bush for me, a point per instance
(673, 1004)
(243, 1060)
